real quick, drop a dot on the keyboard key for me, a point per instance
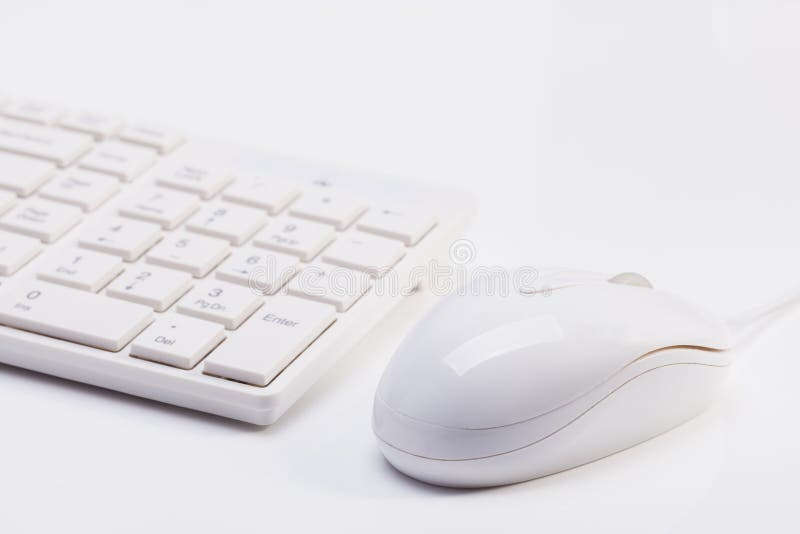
(203, 180)
(73, 315)
(122, 237)
(23, 175)
(363, 252)
(82, 269)
(16, 251)
(223, 303)
(337, 209)
(33, 112)
(262, 271)
(178, 341)
(119, 159)
(329, 284)
(101, 127)
(270, 340)
(192, 253)
(7, 201)
(162, 206)
(164, 141)
(59, 146)
(85, 189)
(270, 194)
(42, 219)
(304, 239)
(407, 226)
(235, 223)
(151, 286)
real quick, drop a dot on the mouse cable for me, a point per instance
(746, 325)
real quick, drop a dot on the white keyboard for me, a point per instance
(135, 259)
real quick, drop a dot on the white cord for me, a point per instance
(748, 323)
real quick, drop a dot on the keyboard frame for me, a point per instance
(191, 388)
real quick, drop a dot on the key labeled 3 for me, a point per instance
(223, 303)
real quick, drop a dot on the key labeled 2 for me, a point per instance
(152, 286)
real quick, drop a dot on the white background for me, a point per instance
(660, 137)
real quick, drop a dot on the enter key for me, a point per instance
(270, 340)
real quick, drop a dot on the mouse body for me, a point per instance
(490, 390)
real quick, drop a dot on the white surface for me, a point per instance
(608, 136)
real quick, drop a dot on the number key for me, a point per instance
(304, 239)
(192, 253)
(122, 237)
(83, 269)
(152, 286)
(263, 271)
(235, 223)
(220, 302)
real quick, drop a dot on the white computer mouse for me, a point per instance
(496, 389)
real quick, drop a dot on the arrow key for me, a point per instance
(122, 237)
(152, 286)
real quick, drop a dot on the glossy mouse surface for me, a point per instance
(490, 390)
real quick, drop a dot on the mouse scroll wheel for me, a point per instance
(631, 279)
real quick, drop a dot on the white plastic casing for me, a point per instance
(488, 389)
(193, 389)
